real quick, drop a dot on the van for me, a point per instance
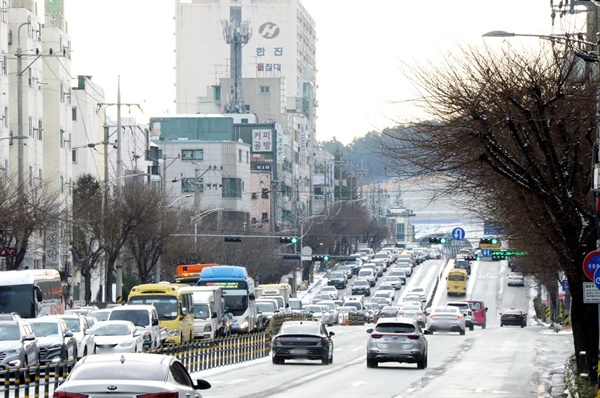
(367, 274)
(145, 318)
(479, 312)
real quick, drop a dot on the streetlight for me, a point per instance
(302, 233)
(200, 217)
(159, 260)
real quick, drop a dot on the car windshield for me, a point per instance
(337, 275)
(299, 328)
(386, 287)
(9, 332)
(395, 328)
(73, 324)
(44, 329)
(313, 308)
(201, 311)
(129, 370)
(475, 306)
(111, 330)
(295, 304)
(361, 283)
(100, 315)
(265, 307)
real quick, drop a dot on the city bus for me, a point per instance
(238, 295)
(31, 293)
(173, 303)
(456, 282)
(190, 273)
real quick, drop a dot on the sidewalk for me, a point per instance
(552, 382)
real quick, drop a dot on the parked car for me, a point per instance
(445, 318)
(56, 341)
(116, 336)
(513, 316)
(397, 340)
(302, 340)
(18, 344)
(78, 324)
(132, 375)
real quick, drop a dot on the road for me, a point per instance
(507, 361)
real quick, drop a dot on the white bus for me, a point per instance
(31, 293)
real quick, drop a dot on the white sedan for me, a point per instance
(117, 337)
(130, 375)
(516, 279)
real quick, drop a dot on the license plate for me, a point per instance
(395, 340)
(299, 351)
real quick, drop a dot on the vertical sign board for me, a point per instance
(591, 263)
(591, 294)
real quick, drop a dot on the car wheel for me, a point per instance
(371, 363)
(472, 327)
(522, 326)
(501, 324)
(422, 364)
(277, 361)
(462, 332)
(483, 326)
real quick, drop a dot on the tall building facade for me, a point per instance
(278, 84)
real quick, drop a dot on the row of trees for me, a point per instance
(133, 227)
(515, 133)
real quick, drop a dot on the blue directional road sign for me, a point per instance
(565, 285)
(597, 278)
(458, 233)
(486, 252)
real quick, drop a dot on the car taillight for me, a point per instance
(413, 337)
(162, 394)
(376, 336)
(400, 312)
(459, 317)
(419, 312)
(66, 394)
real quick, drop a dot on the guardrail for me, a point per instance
(198, 355)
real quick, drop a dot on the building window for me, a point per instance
(192, 154)
(265, 89)
(62, 138)
(4, 63)
(74, 155)
(265, 217)
(232, 188)
(74, 113)
(5, 116)
(265, 193)
(40, 129)
(247, 157)
(30, 126)
(240, 155)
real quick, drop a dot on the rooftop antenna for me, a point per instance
(237, 33)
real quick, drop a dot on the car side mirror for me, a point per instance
(370, 330)
(331, 334)
(184, 311)
(202, 385)
(251, 296)
(426, 331)
(214, 315)
(69, 334)
(485, 309)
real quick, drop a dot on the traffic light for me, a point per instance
(320, 257)
(489, 241)
(233, 239)
(288, 239)
(437, 240)
(9, 251)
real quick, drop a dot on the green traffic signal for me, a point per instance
(494, 241)
(325, 258)
(442, 240)
(294, 240)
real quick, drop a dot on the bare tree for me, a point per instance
(22, 213)
(515, 133)
(86, 245)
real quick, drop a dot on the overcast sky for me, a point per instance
(361, 46)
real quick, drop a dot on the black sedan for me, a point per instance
(302, 340)
(513, 316)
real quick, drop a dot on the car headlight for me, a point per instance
(54, 346)
(126, 344)
(12, 351)
(173, 332)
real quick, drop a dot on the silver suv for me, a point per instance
(18, 345)
(465, 308)
(397, 340)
